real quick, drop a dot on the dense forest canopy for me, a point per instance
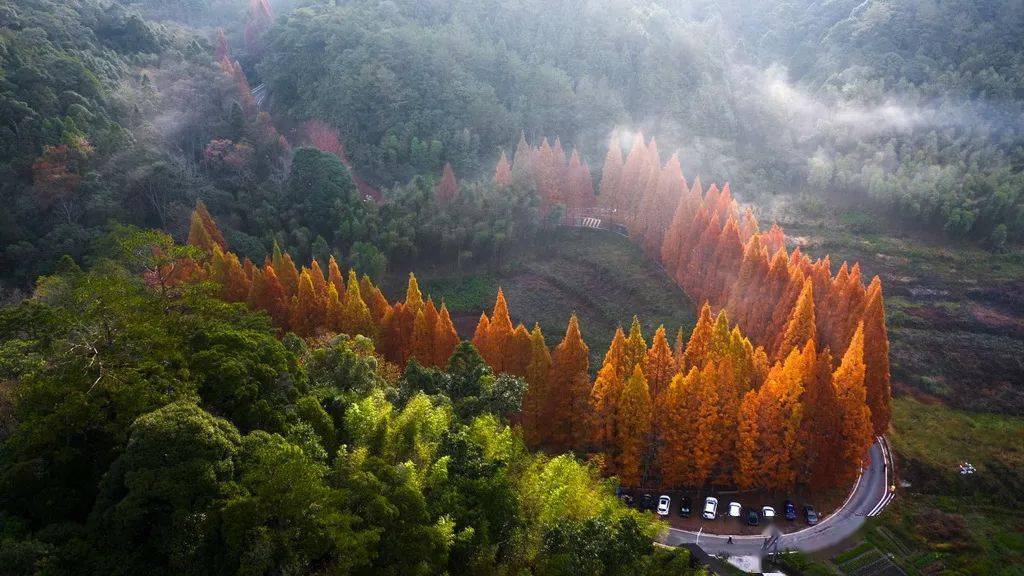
(126, 111)
(913, 104)
(171, 432)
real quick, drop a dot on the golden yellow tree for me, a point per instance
(355, 313)
(635, 350)
(633, 418)
(446, 338)
(661, 366)
(801, 325)
(570, 388)
(537, 400)
(747, 472)
(678, 430)
(700, 340)
(851, 396)
(604, 397)
(303, 315)
(707, 442)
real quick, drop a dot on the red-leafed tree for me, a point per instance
(503, 172)
(448, 187)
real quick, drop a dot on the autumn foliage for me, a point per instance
(785, 377)
(558, 179)
(311, 302)
(783, 380)
(718, 253)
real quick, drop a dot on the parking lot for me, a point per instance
(725, 524)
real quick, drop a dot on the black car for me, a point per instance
(810, 515)
(647, 502)
(685, 506)
(752, 517)
(789, 510)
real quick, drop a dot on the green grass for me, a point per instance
(945, 523)
(598, 275)
(932, 440)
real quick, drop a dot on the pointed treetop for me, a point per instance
(448, 187)
(413, 296)
(636, 347)
(210, 225)
(700, 340)
(801, 325)
(500, 316)
(503, 171)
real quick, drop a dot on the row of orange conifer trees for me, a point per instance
(793, 392)
(717, 253)
(712, 410)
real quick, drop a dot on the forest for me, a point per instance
(218, 348)
(131, 111)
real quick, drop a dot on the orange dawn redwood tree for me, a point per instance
(569, 386)
(503, 172)
(876, 359)
(633, 427)
(446, 338)
(537, 401)
(678, 431)
(448, 187)
(801, 325)
(856, 431)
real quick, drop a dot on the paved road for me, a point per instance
(869, 496)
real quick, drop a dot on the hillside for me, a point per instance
(598, 275)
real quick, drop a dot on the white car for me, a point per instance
(768, 512)
(710, 507)
(664, 504)
(735, 509)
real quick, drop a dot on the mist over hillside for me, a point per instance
(511, 287)
(913, 105)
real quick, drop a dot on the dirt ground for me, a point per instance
(955, 314)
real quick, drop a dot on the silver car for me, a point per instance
(710, 508)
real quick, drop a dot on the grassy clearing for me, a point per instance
(945, 523)
(940, 438)
(600, 276)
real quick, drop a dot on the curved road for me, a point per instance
(870, 495)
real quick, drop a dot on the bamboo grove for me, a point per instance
(784, 379)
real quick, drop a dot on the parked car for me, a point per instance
(734, 509)
(647, 502)
(664, 505)
(810, 515)
(768, 512)
(710, 508)
(685, 506)
(790, 510)
(752, 518)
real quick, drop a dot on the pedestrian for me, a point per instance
(730, 540)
